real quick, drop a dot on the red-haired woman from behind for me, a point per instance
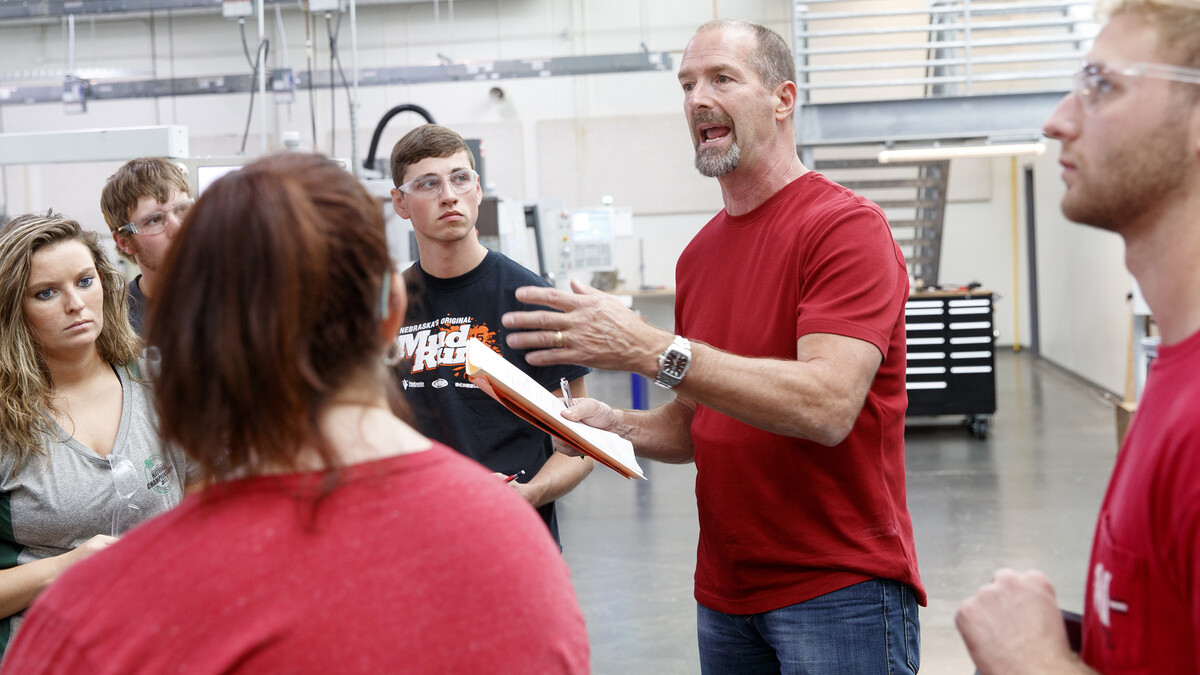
(333, 537)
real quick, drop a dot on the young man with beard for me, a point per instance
(464, 289)
(789, 377)
(1130, 134)
(144, 203)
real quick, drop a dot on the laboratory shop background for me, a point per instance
(578, 138)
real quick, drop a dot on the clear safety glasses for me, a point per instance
(1095, 84)
(157, 222)
(125, 477)
(431, 185)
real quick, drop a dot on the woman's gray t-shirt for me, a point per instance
(55, 502)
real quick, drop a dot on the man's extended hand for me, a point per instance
(1013, 625)
(596, 329)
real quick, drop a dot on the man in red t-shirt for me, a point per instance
(1130, 136)
(789, 377)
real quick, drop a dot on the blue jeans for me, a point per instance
(870, 627)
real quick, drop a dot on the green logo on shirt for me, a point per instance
(158, 474)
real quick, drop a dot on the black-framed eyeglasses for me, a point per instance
(1094, 84)
(431, 185)
(156, 222)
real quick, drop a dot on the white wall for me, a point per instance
(1083, 284)
(1082, 281)
(977, 240)
(577, 138)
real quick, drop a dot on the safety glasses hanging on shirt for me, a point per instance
(126, 481)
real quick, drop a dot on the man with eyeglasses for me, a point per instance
(143, 203)
(1130, 136)
(463, 290)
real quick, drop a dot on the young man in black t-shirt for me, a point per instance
(465, 290)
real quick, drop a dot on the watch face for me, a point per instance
(674, 362)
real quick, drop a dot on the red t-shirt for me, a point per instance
(783, 520)
(1142, 608)
(421, 563)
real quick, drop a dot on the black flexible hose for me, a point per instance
(369, 162)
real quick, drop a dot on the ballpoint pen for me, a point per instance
(514, 476)
(568, 399)
(566, 392)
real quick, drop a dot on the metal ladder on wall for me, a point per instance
(921, 72)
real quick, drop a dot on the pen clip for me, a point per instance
(566, 392)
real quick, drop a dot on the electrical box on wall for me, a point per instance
(234, 9)
(326, 5)
(283, 84)
(74, 97)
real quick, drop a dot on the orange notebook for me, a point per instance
(530, 401)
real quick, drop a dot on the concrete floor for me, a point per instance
(1027, 496)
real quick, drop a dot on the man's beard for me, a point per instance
(1141, 177)
(715, 163)
(710, 161)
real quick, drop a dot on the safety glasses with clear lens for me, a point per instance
(126, 481)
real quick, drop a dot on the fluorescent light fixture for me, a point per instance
(939, 152)
(93, 145)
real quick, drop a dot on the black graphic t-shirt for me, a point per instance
(433, 346)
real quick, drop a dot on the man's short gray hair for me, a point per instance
(772, 59)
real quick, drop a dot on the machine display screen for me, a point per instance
(592, 225)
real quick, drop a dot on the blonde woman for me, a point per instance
(80, 457)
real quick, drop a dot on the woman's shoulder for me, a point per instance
(134, 384)
(8, 463)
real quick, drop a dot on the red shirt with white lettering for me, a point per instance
(1142, 609)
